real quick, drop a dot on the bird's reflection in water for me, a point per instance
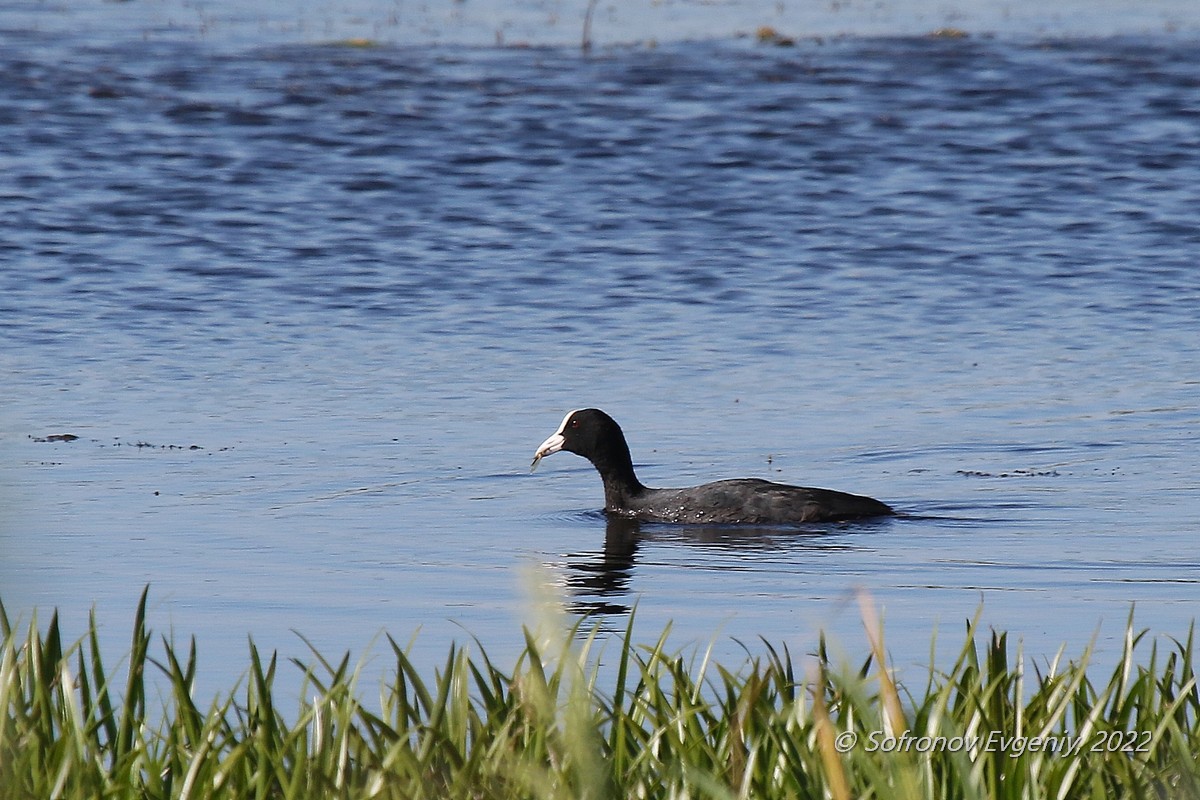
(599, 583)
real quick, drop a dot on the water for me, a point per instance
(309, 309)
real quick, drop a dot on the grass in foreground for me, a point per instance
(668, 726)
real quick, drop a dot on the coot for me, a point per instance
(591, 433)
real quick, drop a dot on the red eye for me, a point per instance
(574, 423)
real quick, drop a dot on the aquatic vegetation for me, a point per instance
(669, 725)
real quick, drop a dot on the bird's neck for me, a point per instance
(616, 470)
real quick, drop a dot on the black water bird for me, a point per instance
(591, 433)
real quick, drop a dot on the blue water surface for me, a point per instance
(309, 309)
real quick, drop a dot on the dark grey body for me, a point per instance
(744, 500)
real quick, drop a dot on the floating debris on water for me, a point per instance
(768, 35)
(141, 445)
(1016, 473)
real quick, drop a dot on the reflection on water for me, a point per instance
(600, 584)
